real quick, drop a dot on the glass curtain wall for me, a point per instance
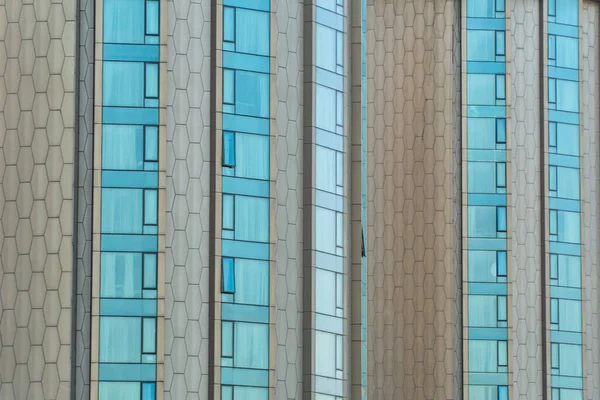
(129, 201)
(245, 174)
(563, 200)
(330, 318)
(486, 186)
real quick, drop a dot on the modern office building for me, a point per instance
(286, 199)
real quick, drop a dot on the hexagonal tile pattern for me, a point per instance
(188, 200)
(413, 204)
(590, 22)
(289, 145)
(36, 107)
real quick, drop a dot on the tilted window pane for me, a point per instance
(120, 339)
(325, 291)
(123, 147)
(325, 354)
(121, 275)
(252, 32)
(251, 345)
(252, 156)
(481, 89)
(251, 282)
(118, 391)
(481, 45)
(227, 275)
(123, 84)
(252, 94)
(124, 21)
(482, 311)
(252, 218)
(326, 47)
(483, 356)
(121, 211)
(228, 149)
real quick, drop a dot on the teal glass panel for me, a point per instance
(123, 84)
(251, 343)
(250, 393)
(567, 12)
(483, 392)
(481, 89)
(123, 147)
(149, 335)
(482, 266)
(151, 80)
(251, 219)
(228, 214)
(483, 356)
(326, 108)
(567, 139)
(151, 144)
(482, 222)
(123, 21)
(325, 284)
(501, 219)
(325, 47)
(120, 340)
(502, 353)
(569, 315)
(481, 9)
(252, 94)
(500, 87)
(148, 389)
(481, 46)
(569, 228)
(228, 24)
(228, 275)
(119, 391)
(252, 156)
(228, 86)
(326, 234)
(570, 360)
(502, 393)
(121, 275)
(569, 271)
(325, 354)
(482, 311)
(568, 183)
(149, 271)
(252, 32)
(252, 282)
(152, 18)
(567, 52)
(228, 149)
(567, 95)
(227, 339)
(500, 43)
(121, 211)
(150, 207)
(480, 177)
(481, 133)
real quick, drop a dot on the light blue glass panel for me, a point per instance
(121, 275)
(567, 95)
(152, 14)
(121, 211)
(128, 307)
(567, 12)
(149, 335)
(568, 183)
(481, 45)
(252, 93)
(326, 167)
(481, 177)
(481, 89)
(252, 282)
(569, 271)
(569, 315)
(152, 80)
(228, 275)
(123, 21)
(151, 144)
(123, 147)
(326, 47)
(127, 372)
(123, 84)
(140, 243)
(150, 207)
(326, 291)
(149, 271)
(325, 354)
(129, 115)
(325, 230)
(252, 32)
(228, 214)
(228, 86)
(252, 156)
(228, 24)
(119, 391)
(482, 311)
(567, 52)
(227, 339)
(325, 108)
(502, 393)
(251, 219)
(481, 133)
(482, 222)
(570, 360)
(481, 9)
(569, 394)
(483, 356)
(148, 389)
(483, 392)
(226, 392)
(482, 266)
(250, 393)
(228, 149)
(251, 344)
(120, 339)
(569, 227)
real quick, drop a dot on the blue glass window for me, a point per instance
(123, 84)
(326, 108)
(501, 175)
(502, 392)
(149, 271)
(326, 52)
(567, 52)
(567, 95)
(227, 339)
(149, 335)
(151, 144)
(483, 311)
(480, 177)
(500, 87)
(501, 263)
(151, 78)
(552, 92)
(228, 216)
(570, 360)
(568, 227)
(501, 219)
(552, 8)
(122, 211)
(481, 9)
(252, 93)
(120, 340)
(121, 275)
(501, 131)
(553, 217)
(148, 391)
(567, 12)
(152, 20)
(569, 315)
(251, 282)
(228, 88)
(326, 165)
(251, 344)
(481, 89)
(502, 355)
(228, 275)
(567, 137)
(325, 283)
(481, 392)
(482, 222)
(229, 27)
(552, 137)
(250, 393)
(552, 184)
(481, 133)
(252, 32)
(481, 46)
(124, 21)
(326, 234)
(567, 182)
(325, 354)
(499, 5)
(228, 149)
(569, 270)
(502, 313)
(554, 313)
(339, 52)
(251, 156)
(483, 356)
(500, 45)
(122, 147)
(482, 266)
(119, 390)
(150, 207)
(551, 49)
(251, 218)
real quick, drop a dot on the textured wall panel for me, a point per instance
(188, 157)
(288, 213)
(526, 200)
(413, 274)
(590, 21)
(37, 48)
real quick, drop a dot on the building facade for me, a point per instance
(285, 199)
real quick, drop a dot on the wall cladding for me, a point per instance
(37, 48)
(411, 215)
(526, 200)
(188, 201)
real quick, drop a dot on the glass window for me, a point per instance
(148, 389)
(228, 149)
(567, 12)
(120, 275)
(567, 95)
(227, 275)
(569, 271)
(483, 392)
(552, 7)
(228, 86)
(569, 227)
(482, 266)
(325, 230)
(552, 49)
(325, 108)
(124, 21)
(251, 344)
(150, 207)
(552, 91)
(123, 84)
(325, 354)
(502, 392)
(501, 131)
(501, 219)
(570, 360)
(501, 175)
(500, 47)
(252, 93)
(499, 5)
(500, 87)
(227, 339)
(119, 391)
(226, 392)
(151, 143)
(228, 24)
(228, 214)
(251, 282)
(339, 51)
(121, 211)
(481, 9)
(480, 177)
(481, 89)
(482, 311)
(567, 52)
(152, 18)
(123, 147)
(151, 81)
(502, 314)
(569, 315)
(482, 221)
(568, 394)
(250, 393)
(252, 32)
(501, 263)
(481, 46)
(567, 139)
(483, 356)
(149, 271)
(252, 156)
(326, 169)
(325, 289)
(553, 311)
(502, 353)
(120, 339)
(480, 133)
(326, 47)
(568, 183)
(149, 335)
(252, 218)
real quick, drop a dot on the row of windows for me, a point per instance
(488, 356)
(246, 31)
(129, 211)
(486, 222)
(251, 338)
(488, 311)
(131, 22)
(130, 84)
(130, 147)
(486, 177)
(486, 89)
(128, 275)
(486, 133)
(245, 281)
(245, 218)
(127, 340)
(245, 93)
(488, 46)
(246, 155)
